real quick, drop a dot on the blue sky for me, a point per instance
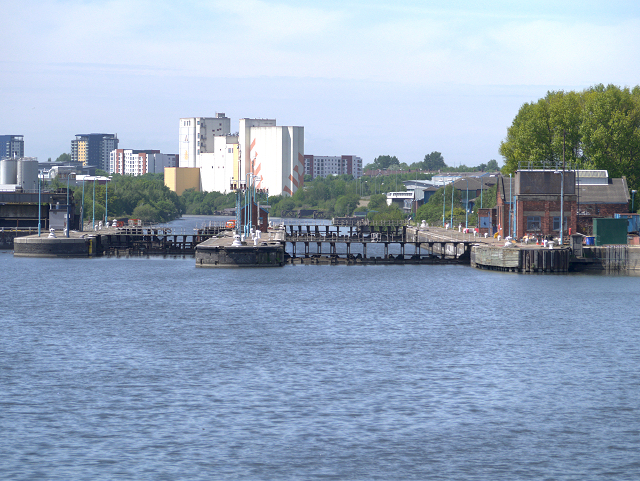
(363, 77)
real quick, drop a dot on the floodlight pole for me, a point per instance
(39, 205)
(444, 202)
(93, 225)
(562, 191)
(68, 212)
(510, 204)
(452, 189)
(466, 210)
(82, 208)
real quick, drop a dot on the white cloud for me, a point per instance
(253, 38)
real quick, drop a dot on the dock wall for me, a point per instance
(614, 258)
(518, 259)
(610, 258)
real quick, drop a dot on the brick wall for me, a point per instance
(589, 211)
(546, 209)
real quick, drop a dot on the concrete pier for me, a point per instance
(34, 246)
(219, 252)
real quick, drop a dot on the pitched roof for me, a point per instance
(614, 192)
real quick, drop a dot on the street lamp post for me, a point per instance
(82, 208)
(106, 202)
(562, 192)
(39, 206)
(68, 211)
(561, 206)
(466, 210)
(444, 201)
(93, 225)
(510, 206)
(452, 189)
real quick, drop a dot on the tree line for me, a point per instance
(142, 197)
(432, 162)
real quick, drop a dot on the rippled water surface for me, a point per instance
(153, 369)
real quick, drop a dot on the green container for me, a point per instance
(609, 231)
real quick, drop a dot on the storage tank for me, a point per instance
(28, 174)
(9, 171)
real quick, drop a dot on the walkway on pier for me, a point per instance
(424, 243)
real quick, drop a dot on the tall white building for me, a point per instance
(322, 166)
(196, 136)
(275, 155)
(220, 166)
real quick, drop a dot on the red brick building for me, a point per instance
(530, 202)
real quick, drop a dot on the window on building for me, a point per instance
(556, 223)
(533, 222)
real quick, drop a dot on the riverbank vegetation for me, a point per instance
(342, 195)
(433, 162)
(143, 197)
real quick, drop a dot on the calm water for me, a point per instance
(153, 369)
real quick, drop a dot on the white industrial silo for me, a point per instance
(9, 171)
(28, 174)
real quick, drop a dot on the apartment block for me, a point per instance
(322, 165)
(93, 149)
(11, 146)
(140, 162)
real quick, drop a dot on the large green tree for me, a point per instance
(537, 134)
(63, 158)
(434, 161)
(383, 162)
(610, 131)
(143, 196)
(596, 128)
(492, 165)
